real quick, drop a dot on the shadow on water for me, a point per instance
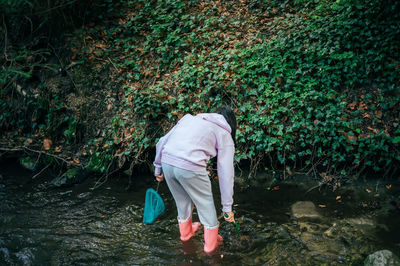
(80, 226)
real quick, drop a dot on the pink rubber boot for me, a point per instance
(187, 229)
(212, 239)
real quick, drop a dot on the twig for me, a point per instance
(30, 21)
(105, 177)
(376, 187)
(5, 38)
(21, 148)
(33, 177)
(314, 187)
(112, 64)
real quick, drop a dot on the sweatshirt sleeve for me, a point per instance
(160, 146)
(226, 175)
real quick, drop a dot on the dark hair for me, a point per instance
(230, 117)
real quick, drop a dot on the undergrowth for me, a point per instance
(314, 84)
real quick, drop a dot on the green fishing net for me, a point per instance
(153, 206)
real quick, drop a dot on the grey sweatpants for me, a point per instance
(188, 187)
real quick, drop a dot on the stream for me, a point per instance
(40, 225)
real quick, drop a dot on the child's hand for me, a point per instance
(159, 177)
(229, 217)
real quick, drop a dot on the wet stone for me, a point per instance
(25, 256)
(382, 258)
(361, 221)
(70, 177)
(305, 210)
(28, 163)
(4, 255)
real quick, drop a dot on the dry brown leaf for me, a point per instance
(57, 149)
(351, 138)
(338, 197)
(352, 105)
(279, 80)
(365, 115)
(368, 190)
(47, 143)
(322, 206)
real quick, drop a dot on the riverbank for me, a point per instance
(314, 85)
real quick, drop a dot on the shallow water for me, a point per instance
(81, 226)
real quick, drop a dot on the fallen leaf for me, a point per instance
(57, 149)
(47, 143)
(376, 195)
(351, 105)
(366, 115)
(322, 206)
(368, 190)
(351, 138)
(276, 188)
(244, 238)
(338, 197)
(288, 171)
(109, 107)
(389, 186)
(279, 80)
(376, 131)
(76, 161)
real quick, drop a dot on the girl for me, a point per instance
(183, 155)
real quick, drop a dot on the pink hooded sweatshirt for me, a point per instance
(192, 142)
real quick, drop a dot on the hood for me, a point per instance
(217, 119)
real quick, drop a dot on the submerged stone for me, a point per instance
(382, 258)
(305, 210)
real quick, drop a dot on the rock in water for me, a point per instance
(304, 210)
(28, 163)
(382, 258)
(70, 177)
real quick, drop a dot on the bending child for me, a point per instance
(183, 154)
